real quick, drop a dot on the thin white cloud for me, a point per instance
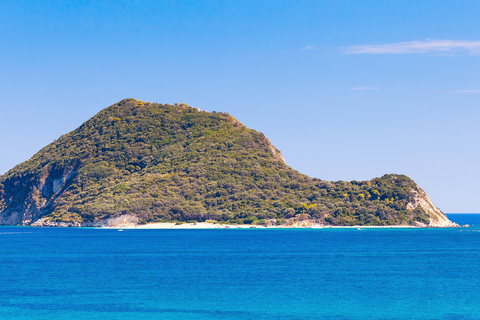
(468, 91)
(427, 46)
(366, 88)
(309, 47)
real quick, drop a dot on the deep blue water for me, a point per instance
(54, 273)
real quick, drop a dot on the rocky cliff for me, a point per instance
(436, 217)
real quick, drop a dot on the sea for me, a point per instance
(278, 274)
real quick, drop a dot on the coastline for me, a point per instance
(131, 222)
(207, 225)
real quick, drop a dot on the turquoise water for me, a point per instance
(241, 274)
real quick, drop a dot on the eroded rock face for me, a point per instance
(436, 216)
(127, 220)
(21, 208)
(275, 151)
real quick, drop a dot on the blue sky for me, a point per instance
(347, 90)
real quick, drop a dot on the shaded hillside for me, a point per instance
(173, 162)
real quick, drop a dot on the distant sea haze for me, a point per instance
(81, 273)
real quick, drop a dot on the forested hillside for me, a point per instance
(177, 163)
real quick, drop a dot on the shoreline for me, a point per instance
(131, 222)
(207, 225)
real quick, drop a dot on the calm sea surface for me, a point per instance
(241, 274)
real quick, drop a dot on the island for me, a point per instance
(142, 163)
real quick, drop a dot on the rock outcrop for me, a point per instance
(126, 220)
(436, 216)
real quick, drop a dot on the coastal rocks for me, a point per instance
(300, 224)
(436, 216)
(127, 220)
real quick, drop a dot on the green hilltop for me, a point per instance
(176, 163)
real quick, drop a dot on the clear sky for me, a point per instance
(347, 90)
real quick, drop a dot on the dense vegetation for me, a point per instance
(177, 163)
